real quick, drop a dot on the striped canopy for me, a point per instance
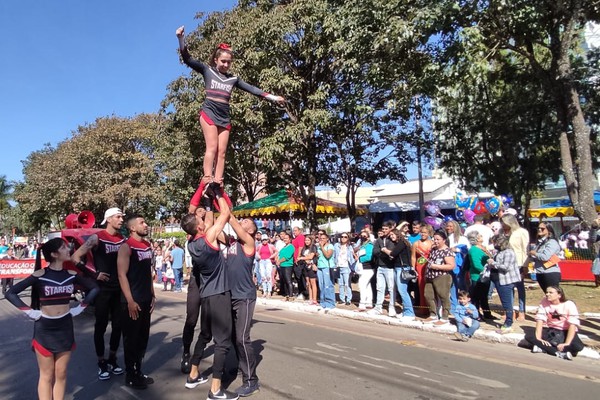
(284, 202)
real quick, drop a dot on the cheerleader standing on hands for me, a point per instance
(215, 118)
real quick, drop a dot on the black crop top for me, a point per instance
(53, 287)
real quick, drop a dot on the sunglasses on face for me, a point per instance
(344, 237)
(541, 229)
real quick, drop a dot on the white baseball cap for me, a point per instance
(110, 213)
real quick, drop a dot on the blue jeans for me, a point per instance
(468, 330)
(402, 285)
(344, 284)
(453, 292)
(257, 272)
(521, 293)
(505, 292)
(326, 290)
(178, 272)
(385, 278)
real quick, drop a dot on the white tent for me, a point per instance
(338, 226)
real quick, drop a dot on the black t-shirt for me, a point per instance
(105, 258)
(239, 272)
(139, 274)
(209, 263)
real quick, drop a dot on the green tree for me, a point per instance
(544, 36)
(105, 164)
(5, 196)
(495, 128)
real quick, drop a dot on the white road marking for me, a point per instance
(396, 363)
(483, 381)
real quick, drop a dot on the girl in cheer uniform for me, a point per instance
(215, 117)
(53, 338)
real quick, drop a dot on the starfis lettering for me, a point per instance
(52, 290)
(221, 86)
(144, 255)
(112, 248)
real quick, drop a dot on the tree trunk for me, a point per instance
(578, 173)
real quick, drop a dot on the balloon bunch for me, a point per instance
(467, 207)
(434, 212)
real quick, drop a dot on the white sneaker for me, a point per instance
(374, 311)
(536, 349)
(300, 297)
(564, 355)
(392, 313)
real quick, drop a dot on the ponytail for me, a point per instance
(35, 295)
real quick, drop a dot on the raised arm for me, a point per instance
(247, 240)
(212, 233)
(82, 251)
(185, 55)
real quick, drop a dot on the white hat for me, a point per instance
(511, 211)
(264, 237)
(110, 213)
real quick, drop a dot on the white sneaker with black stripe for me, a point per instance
(103, 372)
(114, 367)
(191, 383)
(222, 394)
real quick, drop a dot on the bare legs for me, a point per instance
(216, 139)
(53, 375)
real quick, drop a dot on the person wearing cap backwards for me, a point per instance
(104, 246)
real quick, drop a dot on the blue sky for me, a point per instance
(67, 62)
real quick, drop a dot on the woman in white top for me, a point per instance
(459, 245)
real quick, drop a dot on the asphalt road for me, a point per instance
(306, 356)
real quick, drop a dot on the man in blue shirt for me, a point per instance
(416, 229)
(177, 258)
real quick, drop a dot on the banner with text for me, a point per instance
(18, 268)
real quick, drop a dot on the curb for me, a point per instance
(481, 334)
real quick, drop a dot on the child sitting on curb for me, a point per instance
(466, 317)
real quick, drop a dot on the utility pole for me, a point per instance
(419, 162)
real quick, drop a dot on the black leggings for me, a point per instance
(575, 347)
(300, 278)
(479, 294)
(215, 323)
(286, 274)
(192, 313)
(107, 306)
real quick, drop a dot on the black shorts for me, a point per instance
(53, 336)
(310, 273)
